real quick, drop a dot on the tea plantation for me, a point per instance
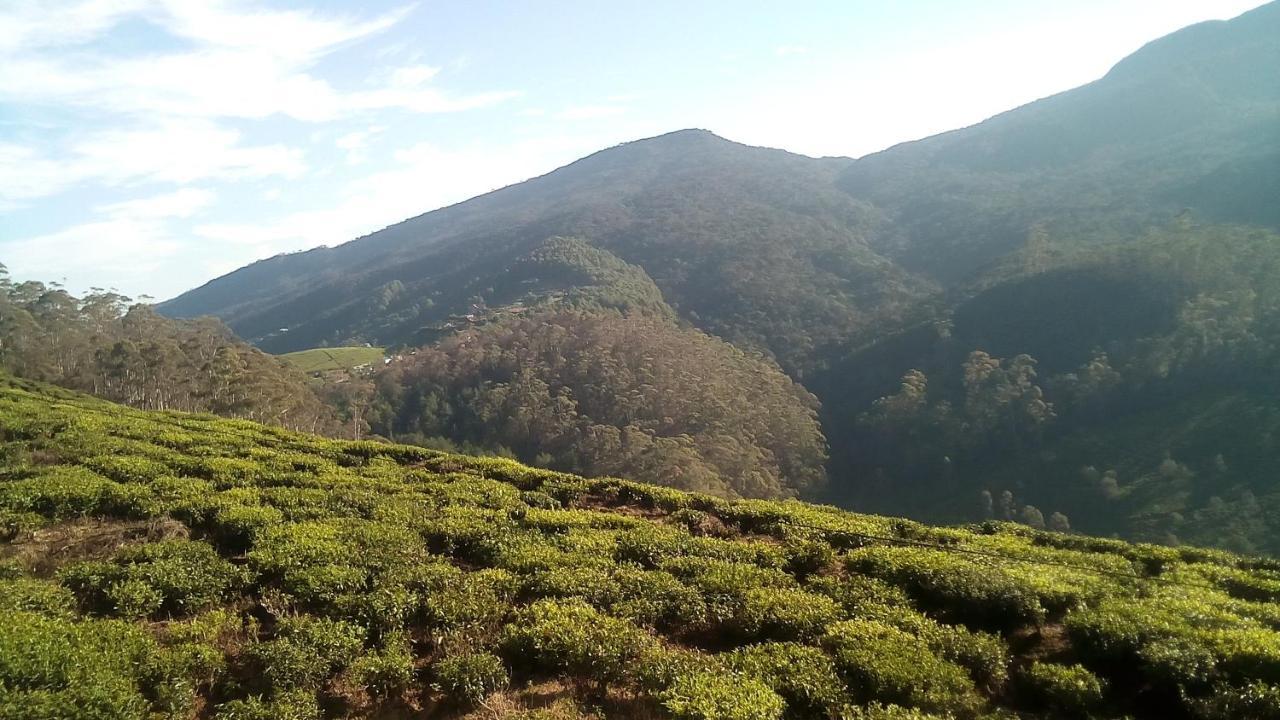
(160, 565)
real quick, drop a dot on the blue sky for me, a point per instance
(152, 145)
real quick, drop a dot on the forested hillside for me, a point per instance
(99, 343)
(1063, 316)
(169, 565)
(1130, 389)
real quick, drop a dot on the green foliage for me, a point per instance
(784, 614)
(571, 636)
(386, 672)
(323, 575)
(55, 669)
(881, 662)
(1064, 690)
(803, 675)
(613, 394)
(174, 577)
(305, 651)
(716, 696)
(99, 343)
(288, 705)
(469, 677)
(969, 590)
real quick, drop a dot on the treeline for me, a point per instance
(606, 393)
(101, 344)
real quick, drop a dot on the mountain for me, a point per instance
(759, 245)
(1066, 315)
(793, 254)
(1191, 120)
(170, 565)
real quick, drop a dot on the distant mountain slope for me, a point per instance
(1191, 120)
(758, 244)
(794, 254)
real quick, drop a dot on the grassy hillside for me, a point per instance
(160, 564)
(337, 358)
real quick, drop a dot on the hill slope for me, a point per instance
(793, 254)
(195, 567)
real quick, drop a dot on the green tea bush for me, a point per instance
(297, 704)
(724, 585)
(656, 599)
(468, 677)
(877, 711)
(1064, 690)
(305, 651)
(386, 672)
(649, 545)
(1256, 701)
(856, 592)
(881, 662)
(718, 696)
(36, 596)
(127, 468)
(804, 676)
(552, 636)
(64, 492)
(784, 614)
(983, 654)
(474, 605)
(54, 669)
(174, 577)
(973, 592)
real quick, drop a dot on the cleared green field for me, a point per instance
(339, 358)
(162, 565)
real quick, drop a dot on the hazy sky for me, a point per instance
(151, 145)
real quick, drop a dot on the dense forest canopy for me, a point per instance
(1120, 421)
(612, 394)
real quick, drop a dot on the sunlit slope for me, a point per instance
(337, 358)
(185, 566)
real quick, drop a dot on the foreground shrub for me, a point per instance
(1256, 701)
(784, 614)
(881, 662)
(708, 695)
(37, 596)
(54, 669)
(469, 677)
(804, 676)
(386, 672)
(975, 593)
(174, 577)
(305, 652)
(553, 636)
(1064, 690)
(290, 705)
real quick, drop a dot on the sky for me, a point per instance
(148, 146)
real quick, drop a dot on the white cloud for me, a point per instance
(173, 151)
(242, 64)
(127, 241)
(355, 143)
(161, 116)
(178, 204)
